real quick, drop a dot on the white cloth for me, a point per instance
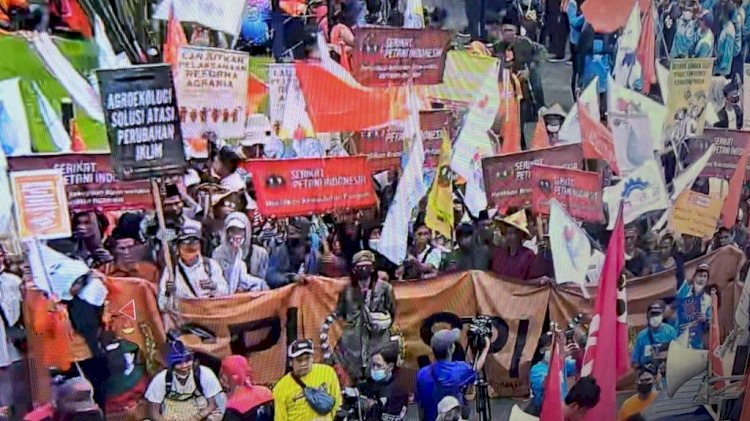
(732, 118)
(642, 191)
(196, 273)
(157, 389)
(54, 273)
(10, 301)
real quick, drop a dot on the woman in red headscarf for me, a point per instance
(245, 401)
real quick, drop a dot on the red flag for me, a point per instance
(76, 142)
(647, 49)
(714, 342)
(336, 105)
(540, 139)
(596, 139)
(607, 15)
(606, 342)
(256, 93)
(74, 17)
(732, 201)
(175, 39)
(552, 401)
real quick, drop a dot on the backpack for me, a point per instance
(169, 380)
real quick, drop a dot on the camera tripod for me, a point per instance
(484, 410)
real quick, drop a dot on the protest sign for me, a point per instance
(90, 183)
(143, 125)
(642, 191)
(579, 192)
(696, 214)
(729, 147)
(571, 248)
(224, 15)
(40, 204)
(212, 94)
(507, 178)
(689, 86)
(385, 146)
(395, 56)
(305, 186)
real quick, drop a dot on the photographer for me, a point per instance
(653, 339)
(386, 398)
(540, 370)
(446, 377)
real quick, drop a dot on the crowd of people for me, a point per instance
(214, 242)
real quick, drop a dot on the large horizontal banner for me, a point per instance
(296, 187)
(507, 178)
(143, 124)
(396, 56)
(212, 94)
(41, 207)
(385, 146)
(579, 192)
(728, 150)
(90, 183)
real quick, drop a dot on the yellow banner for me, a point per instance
(696, 214)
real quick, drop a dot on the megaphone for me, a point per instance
(682, 365)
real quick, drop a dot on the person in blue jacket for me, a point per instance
(576, 21)
(725, 46)
(540, 370)
(692, 305)
(651, 343)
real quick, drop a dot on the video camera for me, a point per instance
(480, 329)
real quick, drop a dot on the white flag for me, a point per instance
(414, 14)
(627, 43)
(570, 131)
(411, 189)
(221, 15)
(473, 143)
(15, 137)
(106, 54)
(621, 100)
(642, 191)
(57, 132)
(571, 248)
(686, 178)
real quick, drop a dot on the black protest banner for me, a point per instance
(143, 125)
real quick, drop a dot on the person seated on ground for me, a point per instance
(540, 370)
(245, 401)
(232, 254)
(195, 276)
(185, 390)
(645, 395)
(368, 308)
(386, 396)
(290, 400)
(636, 259)
(583, 396)
(294, 256)
(652, 342)
(692, 306)
(130, 251)
(424, 259)
(445, 377)
(511, 259)
(468, 254)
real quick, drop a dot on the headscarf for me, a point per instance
(246, 396)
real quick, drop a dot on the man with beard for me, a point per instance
(184, 391)
(368, 307)
(195, 276)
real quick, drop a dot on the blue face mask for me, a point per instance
(378, 375)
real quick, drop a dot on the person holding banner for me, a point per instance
(693, 306)
(233, 253)
(512, 259)
(194, 276)
(424, 259)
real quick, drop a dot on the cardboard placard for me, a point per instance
(696, 214)
(40, 204)
(395, 56)
(143, 124)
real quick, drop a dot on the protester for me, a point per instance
(194, 276)
(576, 21)
(234, 252)
(292, 394)
(12, 330)
(88, 234)
(636, 259)
(553, 118)
(129, 247)
(185, 390)
(245, 400)
(645, 393)
(424, 259)
(725, 45)
(467, 255)
(446, 377)
(651, 343)
(692, 307)
(387, 397)
(293, 256)
(368, 308)
(685, 37)
(582, 397)
(705, 45)
(730, 116)
(511, 259)
(540, 370)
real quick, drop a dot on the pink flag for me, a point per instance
(647, 49)
(552, 401)
(607, 342)
(714, 342)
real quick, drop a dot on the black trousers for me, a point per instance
(86, 321)
(556, 28)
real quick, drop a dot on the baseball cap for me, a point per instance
(443, 339)
(656, 308)
(703, 267)
(301, 347)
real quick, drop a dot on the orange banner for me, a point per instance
(41, 205)
(294, 187)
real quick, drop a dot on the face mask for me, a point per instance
(189, 253)
(553, 128)
(373, 243)
(363, 273)
(644, 388)
(655, 321)
(378, 375)
(547, 355)
(734, 100)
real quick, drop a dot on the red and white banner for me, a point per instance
(579, 192)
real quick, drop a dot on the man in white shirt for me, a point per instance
(195, 276)
(185, 390)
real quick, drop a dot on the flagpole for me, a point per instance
(168, 265)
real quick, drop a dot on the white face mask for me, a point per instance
(373, 243)
(553, 128)
(655, 321)
(547, 355)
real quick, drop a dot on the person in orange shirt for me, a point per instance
(645, 395)
(9, 7)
